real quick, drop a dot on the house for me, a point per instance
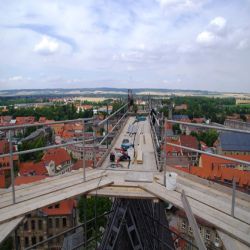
(174, 155)
(54, 162)
(224, 171)
(22, 120)
(181, 226)
(47, 222)
(5, 161)
(191, 142)
(233, 143)
(57, 161)
(4, 146)
(172, 150)
(5, 178)
(181, 107)
(77, 152)
(5, 120)
(31, 168)
(236, 124)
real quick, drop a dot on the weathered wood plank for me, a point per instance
(232, 226)
(38, 190)
(8, 227)
(22, 208)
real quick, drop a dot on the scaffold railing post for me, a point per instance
(233, 197)
(12, 168)
(83, 152)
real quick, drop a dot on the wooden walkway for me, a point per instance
(137, 181)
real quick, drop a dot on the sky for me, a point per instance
(172, 44)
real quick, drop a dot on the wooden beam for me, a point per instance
(224, 222)
(16, 210)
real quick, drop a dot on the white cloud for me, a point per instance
(243, 44)
(181, 5)
(206, 38)
(15, 78)
(46, 46)
(218, 26)
(219, 23)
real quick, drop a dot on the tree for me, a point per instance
(101, 204)
(176, 129)
(209, 137)
(37, 143)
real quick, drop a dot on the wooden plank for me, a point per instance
(7, 227)
(231, 244)
(232, 226)
(215, 202)
(139, 158)
(22, 208)
(123, 192)
(46, 180)
(44, 189)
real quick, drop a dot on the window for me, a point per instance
(57, 222)
(50, 223)
(33, 225)
(183, 225)
(40, 238)
(26, 241)
(64, 222)
(207, 234)
(40, 224)
(33, 240)
(25, 226)
(217, 238)
(190, 229)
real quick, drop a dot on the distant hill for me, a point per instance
(105, 91)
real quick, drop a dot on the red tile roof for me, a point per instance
(4, 146)
(172, 149)
(58, 155)
(214, 168)
(21, 180)
(62, 208)
(24, 120)
(189, 141)
(32, 168)
(199, 120)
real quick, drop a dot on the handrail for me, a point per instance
(44, 148)
(106, 136)
(210, 154)
(110, 116)
(209, 126)
(10, 127)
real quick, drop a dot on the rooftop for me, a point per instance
(231, 141)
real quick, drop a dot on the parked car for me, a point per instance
(126, 144)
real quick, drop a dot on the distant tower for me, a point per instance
(130, 98)
(170, 110)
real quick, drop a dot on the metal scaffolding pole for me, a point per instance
(107, 143)
(94, 141)
(83, 152)
(12, 168)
